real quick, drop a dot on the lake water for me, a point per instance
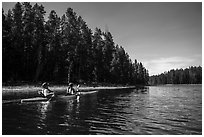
(167, 110)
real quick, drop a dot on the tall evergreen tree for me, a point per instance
(98, 55)
(17, 31)
(191, 75)
(39, 40)
(85, 58)
(28, 30)
(115, 65)
(7, 46)
(53, 47)
(64, 50)
(107, 49)
(71, 38)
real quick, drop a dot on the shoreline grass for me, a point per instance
(27, 91)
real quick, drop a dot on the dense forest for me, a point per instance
(191, 75)
(61, 49)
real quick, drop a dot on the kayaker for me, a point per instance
(70, 89)
(46, 92)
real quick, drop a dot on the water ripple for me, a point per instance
(162, 110)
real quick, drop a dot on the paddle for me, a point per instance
(78, 87)
(51, 98)
(52, 95)
(78, 93)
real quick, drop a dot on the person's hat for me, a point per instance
(70, 84)
(45, 85)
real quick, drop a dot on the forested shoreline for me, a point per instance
(62, 49)
(191, 75)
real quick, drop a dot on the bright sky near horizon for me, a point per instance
(163, 36)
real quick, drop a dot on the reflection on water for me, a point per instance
(151, 110)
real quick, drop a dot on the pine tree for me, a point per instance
(63, 50)
(191, 75)
(28, 30)
(108, 49)
(98, 56)
(7, 48)
(115, 66)
(85, 51)
(39, 40)
(53, 47)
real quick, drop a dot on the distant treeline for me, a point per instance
(62, 49)
(191, 75)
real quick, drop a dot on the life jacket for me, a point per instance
(46, 92)
(71, 90)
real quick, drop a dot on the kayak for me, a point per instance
(88, 92)
(42, 99)
(36, 99)
(58, 97)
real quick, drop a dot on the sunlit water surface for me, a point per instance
(168, 110)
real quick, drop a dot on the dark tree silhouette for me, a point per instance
(191, 75)
(63, 49)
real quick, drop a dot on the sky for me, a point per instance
(163, 36)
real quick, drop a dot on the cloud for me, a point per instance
(160, 65)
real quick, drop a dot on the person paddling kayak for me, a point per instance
(46, 92)
(71, 90)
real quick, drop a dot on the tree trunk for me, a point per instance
(69, 71)
(40, 64)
